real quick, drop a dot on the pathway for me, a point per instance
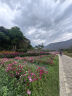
(65, 75)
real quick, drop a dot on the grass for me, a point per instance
(53, 79)
(45, 87)
(68, 54)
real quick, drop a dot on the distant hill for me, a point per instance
(59, 45)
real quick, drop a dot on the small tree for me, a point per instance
(39, 47)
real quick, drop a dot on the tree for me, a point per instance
(13, 39)
(4, 38)
(39, 47)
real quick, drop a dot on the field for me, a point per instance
(29, 76)
(68, 53)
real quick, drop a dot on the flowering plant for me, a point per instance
(26, 74)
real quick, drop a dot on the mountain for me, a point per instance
(59, 45)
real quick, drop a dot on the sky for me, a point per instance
(41, 21)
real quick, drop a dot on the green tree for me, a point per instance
(39, 47)
(13, 39)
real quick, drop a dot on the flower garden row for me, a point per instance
(25, 71)
(21, 54)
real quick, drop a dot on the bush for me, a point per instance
(21, 50)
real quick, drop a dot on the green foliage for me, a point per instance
(12, 39)
(21, 50)
(4, 91)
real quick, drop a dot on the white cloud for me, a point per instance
(42, 21)
(38, 41)
(31, 31)
(6, 15)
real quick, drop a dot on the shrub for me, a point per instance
(21, 50)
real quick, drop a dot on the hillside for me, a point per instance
(59, 45)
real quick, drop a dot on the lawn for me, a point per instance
(44, 82)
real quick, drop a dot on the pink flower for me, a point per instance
(25, 62)
(17, 73)
(14, 62)
(32, 74)
(35, 79)
(30, 79)
(46, 72)
(28, 92)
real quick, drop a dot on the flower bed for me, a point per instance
(25, 74)
(21, 76)
(38, 59)
(21, 54)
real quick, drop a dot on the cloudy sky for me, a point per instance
(42, 21)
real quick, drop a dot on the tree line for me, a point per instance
(13, 39)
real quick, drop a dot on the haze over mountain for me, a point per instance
(59, 45)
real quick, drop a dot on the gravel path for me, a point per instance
(65, 75)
